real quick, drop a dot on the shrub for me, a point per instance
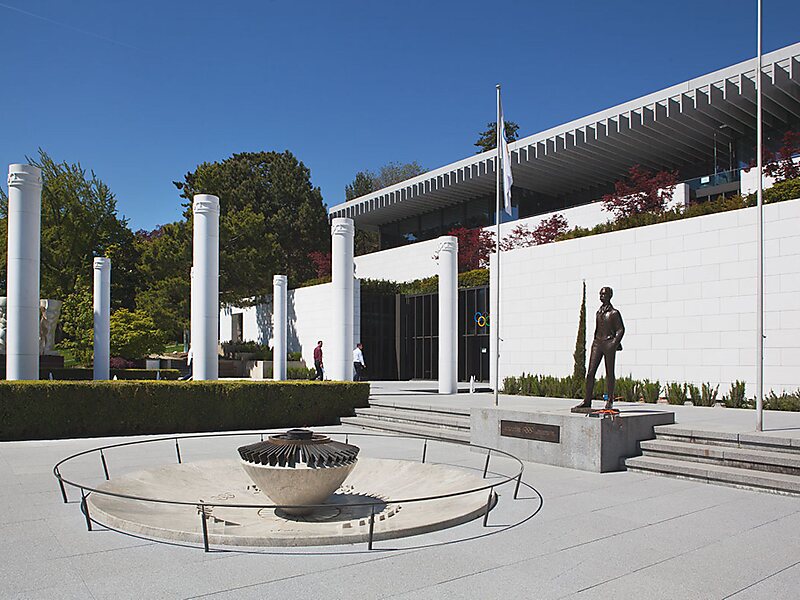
(294, 356)
(736, 398)
(473, 278)
(676, 393)
(60, 409)
(230, 350)
(627, 388)
(642, 192)
(117, 362)
(134, 334)
(784, 401)
(650, 390)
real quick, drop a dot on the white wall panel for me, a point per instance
(686, 290)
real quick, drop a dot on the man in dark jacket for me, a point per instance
(318, 361)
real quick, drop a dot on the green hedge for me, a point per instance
(80, 373)
(66, 409)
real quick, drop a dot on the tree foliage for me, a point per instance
(271, 215)
(474, 248)
(165, 265)
(548, 230)
(487, 140)
(579, 356)
(79, 222)
(366, 182)
(77, 324)
(134, 335)
(781, 164)
(642, 192)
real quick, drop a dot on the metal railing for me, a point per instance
(204, 508)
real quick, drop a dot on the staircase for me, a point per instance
(450, 424)
(754, 461)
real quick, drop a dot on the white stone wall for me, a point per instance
(309, 316)
(686, 290)
(405, 263)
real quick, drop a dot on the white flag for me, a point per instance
(505, 153)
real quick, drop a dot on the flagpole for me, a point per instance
(496, 316)
(760, 244)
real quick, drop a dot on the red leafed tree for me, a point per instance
(642, 191)
(321, 262)
(545, 232)
(474, 248)
(780, 164)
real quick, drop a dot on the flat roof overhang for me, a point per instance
(675, 127)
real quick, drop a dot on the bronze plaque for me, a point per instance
(531, 431)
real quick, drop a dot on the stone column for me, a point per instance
(24, 231)
(205, 288)
(102, 317)
(279, 347)
(339, 359)
(448, 314)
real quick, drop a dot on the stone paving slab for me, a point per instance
(619, 535)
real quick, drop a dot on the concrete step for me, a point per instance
(415, 416)
(773, 482)
(420, 406)
(753, 440)
(435, 433)
(745, 458)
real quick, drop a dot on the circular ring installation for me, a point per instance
(292, 489)
(215, 485)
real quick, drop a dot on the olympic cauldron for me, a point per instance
(298, 468)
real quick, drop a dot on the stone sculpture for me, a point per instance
(49, 313)
(298, 468)
(608, 333)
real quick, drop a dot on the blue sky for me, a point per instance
(141, 92)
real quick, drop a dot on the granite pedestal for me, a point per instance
(565, 439)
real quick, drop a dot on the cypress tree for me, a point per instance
(579, 356)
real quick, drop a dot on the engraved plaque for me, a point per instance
(531, 431)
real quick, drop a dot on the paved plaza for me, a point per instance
(571, 534)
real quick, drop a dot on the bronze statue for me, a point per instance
(607, 337)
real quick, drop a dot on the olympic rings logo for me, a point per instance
(482, 319)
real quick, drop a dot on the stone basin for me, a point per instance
(298, 468)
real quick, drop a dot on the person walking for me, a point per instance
(358, 362)
(318, 361)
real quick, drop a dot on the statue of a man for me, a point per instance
(607, 337)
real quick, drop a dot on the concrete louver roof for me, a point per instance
(667, 129)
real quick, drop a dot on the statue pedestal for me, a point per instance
(565, 439)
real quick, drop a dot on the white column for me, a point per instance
(339, 360)
(205, 288)
(24, 231)
(448, 314)
(102, 317)
(279, 348)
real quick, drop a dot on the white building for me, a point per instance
(686, 289)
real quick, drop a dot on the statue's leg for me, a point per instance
(611, 381)
(594, 362)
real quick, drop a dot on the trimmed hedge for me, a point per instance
(81, 373)
(66, 409)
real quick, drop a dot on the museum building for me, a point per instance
(699, 272)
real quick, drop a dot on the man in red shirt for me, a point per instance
(318, 361)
